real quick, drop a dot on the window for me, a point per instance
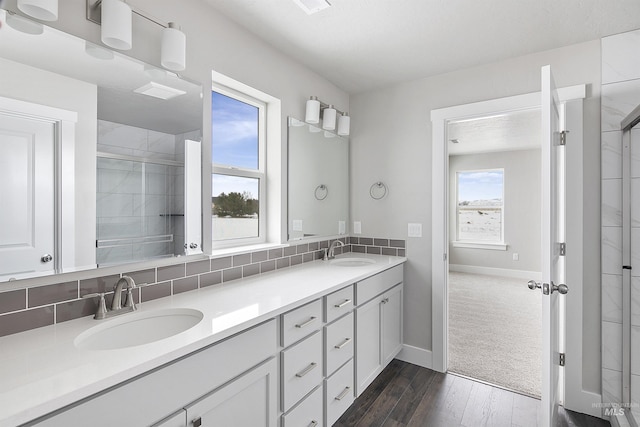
(238, 168)
(480, 206)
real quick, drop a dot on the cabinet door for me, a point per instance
(251, 401)
(368, 360)
(391, 324)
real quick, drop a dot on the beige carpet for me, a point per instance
(495, 331)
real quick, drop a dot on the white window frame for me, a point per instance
(260, 173)
(479, 244)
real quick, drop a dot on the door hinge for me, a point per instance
(562, 359)
(563, 249)
(563, 137)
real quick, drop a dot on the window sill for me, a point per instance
(480, 245)
(244, 249)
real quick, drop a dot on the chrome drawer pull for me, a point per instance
(306, 370)
(342, 304)
(343, 394)
(314, 423)
(303, 324)
(345, 342)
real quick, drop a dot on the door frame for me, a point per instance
(64, 122)
(575, 398)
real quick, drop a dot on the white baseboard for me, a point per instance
(416, 355)
(491, 271)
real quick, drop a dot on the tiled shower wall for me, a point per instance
(25, 309)
(139, 203)
(620, 95)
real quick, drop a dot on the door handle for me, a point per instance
(562, 288)
(533, 285)
(46, 258)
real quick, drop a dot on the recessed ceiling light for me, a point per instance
(159, 91)
(312, 6)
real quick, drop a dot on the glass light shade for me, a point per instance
(173, 51)
(312, 114)
(116, 24)
(329, 118)
(44, 10)
(344, 124)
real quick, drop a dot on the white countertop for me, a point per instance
(41, 370)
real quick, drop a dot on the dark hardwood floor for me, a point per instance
(408, 395)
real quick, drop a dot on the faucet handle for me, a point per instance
(129, 301)
(101, 312)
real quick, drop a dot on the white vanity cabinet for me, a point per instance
(378, 324)
(147, 399)
(250, 400)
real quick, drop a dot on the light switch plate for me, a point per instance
(342, 225)
(516, 256)
(357, 227)
(414, 230)
(297, 225)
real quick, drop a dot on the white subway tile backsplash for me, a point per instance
(617, 101)
(612, 203)
(612, 155)
(612, 298)
(621, 57)
(611, 250)
(611, 345)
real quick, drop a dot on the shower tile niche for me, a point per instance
(140, 193)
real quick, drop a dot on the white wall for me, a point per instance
(391, 142)
(521, 217)
(42, 87)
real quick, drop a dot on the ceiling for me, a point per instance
(360, 45)
(516, 130)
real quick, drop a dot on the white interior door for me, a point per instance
(27, 183)
(552, 232)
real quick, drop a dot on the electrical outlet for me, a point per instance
(414, 230)
(342, 227)
(297, 225)
(357, 227)
(516, 256)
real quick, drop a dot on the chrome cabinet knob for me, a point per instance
(193, 245)
(46, 258)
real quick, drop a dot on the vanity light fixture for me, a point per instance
(316, 108)
(115, 17)
(117, 24)
(44, 10)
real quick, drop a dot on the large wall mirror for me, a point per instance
(99, 155)
(318, 182)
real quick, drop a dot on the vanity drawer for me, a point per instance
(338, 343)
(302, 369)
(301, 322)
(375, 285)
(309, 413)
(338, 303)
(339, 392)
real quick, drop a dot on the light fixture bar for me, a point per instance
(94, 14)
(325, 105)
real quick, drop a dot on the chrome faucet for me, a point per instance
(116, 303)
(330, 254)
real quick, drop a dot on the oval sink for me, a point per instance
(352, 262)
(135, 329)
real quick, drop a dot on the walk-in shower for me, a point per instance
(630, 403)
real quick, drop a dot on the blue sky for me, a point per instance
(234, 135)
(234, 132)
(480, 185)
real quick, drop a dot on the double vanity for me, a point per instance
(286, 348)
